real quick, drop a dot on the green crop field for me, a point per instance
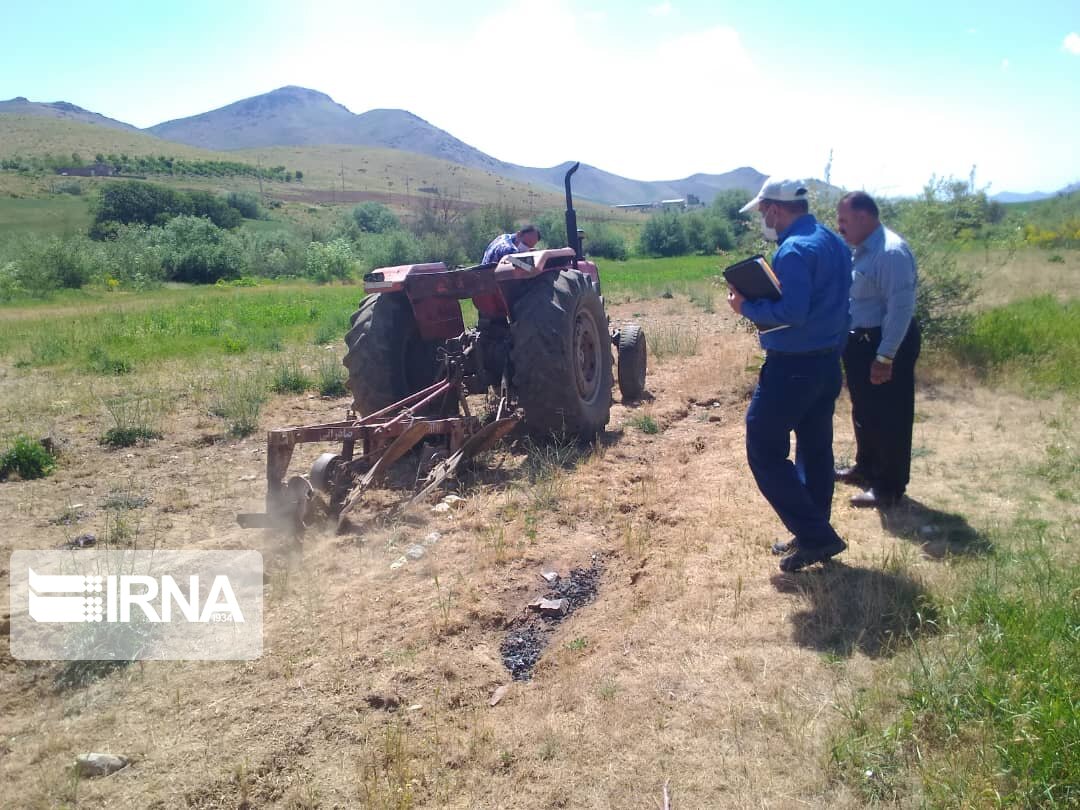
(58, 214)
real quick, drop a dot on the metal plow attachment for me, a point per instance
(371, 445)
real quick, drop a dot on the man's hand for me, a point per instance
(735, 300)
(880, 372)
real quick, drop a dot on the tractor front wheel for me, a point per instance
(561, 355)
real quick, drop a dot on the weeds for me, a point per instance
(238, 400)
(645, 423)
(289, 378)
(673, 341)
(331, 378)
(101, 362)
(27, 458)
(136, 419)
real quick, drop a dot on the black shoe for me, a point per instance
(802, 557)
(875, 499)
(850, 475)
(784, 546)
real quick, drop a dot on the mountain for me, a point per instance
(1032, 196)
(297, 116)
(60, 109)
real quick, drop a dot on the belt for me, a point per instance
(814, 353)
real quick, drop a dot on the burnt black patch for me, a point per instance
(528, 635)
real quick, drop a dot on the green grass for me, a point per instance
(991, 717)
(1035, 342)
(170, 323)
(635, 279)
(57, 215)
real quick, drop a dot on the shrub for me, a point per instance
(193, 249)
(664, 235)
(274, 255)
(604, 241)
(371, 217)
(135, 201)
(246, 204)
(390, 249)
(28, 458)
(329, 262)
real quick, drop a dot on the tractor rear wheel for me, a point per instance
(386, 358)
(633, 361)
(561, 355)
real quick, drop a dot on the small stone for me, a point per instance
(398, 563)
(453, 501)
(415, 552)
(441, 508)
(75, 506)
(85, 540)
(99, 764)
(499, 694)
(248, 477)
(415, 707)
(550, 608)
(432, 539)
(550, 577)
(715, 417)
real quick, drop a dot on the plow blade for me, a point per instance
(483, 439)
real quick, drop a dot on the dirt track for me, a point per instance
(697, 662)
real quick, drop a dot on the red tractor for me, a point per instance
(541, 339)
(541, 350)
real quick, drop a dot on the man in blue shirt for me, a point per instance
(880, 355)
(800, 380)
(503, 245)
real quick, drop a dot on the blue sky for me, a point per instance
(651, 90)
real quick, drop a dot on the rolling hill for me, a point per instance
(296, 117)
(62, 110)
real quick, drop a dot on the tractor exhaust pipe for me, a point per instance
(572, 237)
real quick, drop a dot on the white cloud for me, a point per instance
(662, 10)
(1072, 43)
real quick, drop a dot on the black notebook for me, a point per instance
(754, 278)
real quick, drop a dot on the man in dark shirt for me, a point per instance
(503, 245)
(800, 380)
(880, 355)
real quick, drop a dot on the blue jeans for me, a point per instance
(796, 393)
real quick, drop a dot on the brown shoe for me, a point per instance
(873, 499)
(850, 475)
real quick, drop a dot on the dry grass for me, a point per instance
(1024, 274)
(698, 665)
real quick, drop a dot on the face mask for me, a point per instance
(770, 234)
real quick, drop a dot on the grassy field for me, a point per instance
(61, 214)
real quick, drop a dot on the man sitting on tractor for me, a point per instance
(524, 239)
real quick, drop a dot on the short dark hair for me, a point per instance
(791, 206)
(861, 201)
(529, 228)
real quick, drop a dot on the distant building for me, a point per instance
(635, 206)
(673, 205)
(94, 170)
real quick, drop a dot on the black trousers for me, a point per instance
(882, 414)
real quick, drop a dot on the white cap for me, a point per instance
(780, 191)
